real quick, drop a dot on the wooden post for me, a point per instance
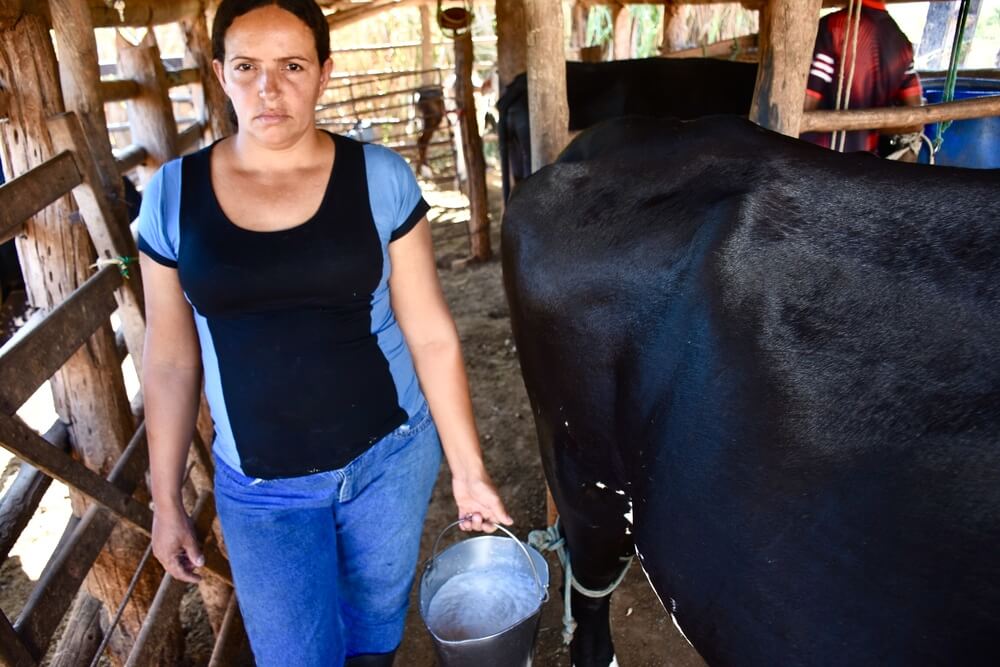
(426, 46)
(787, 39)
(472, 149)
(512, 46)
(80, 77)
(674, 28)
(151, 115)
(621, 19)
(210, 100)
(56, 252)
(549, 110)
(578, 29)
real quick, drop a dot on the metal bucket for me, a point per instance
(511, 563)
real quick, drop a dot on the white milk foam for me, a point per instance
(481, 603)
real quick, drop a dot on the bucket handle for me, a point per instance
(543, 592)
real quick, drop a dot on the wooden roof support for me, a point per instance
(118, 90)
(787, 38)
(426, 46)
(873, 119)
(512, 45)
(130, 157)
(472, 150)
(138, 13)
(549, 111)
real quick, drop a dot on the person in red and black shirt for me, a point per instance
(883, 76)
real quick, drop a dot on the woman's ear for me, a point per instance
(326, 70)
(220, 73)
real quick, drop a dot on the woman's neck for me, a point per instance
(248, 154)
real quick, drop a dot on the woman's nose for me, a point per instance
(268, 84)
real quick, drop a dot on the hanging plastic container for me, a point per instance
(481, 600)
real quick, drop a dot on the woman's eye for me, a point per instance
(244, 67)
(295, 67)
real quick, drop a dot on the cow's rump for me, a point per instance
(788, 361)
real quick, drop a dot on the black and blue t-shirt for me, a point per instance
(305, 365)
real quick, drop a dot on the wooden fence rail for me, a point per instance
(22, 197)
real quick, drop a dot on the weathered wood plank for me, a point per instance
(110, 234)
(33, 357)
(22, 498)
(22, 197)
(183, 77)
(18, 438)
(4, 103)
(118, 90)
(210, 100)
(13, 651)
(872, 119)
(472, 149)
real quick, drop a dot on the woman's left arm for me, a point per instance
(430, 333)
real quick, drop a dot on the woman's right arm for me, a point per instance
(171, 383)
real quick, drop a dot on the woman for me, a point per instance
(295, 267)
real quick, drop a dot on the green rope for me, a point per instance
(948, 94)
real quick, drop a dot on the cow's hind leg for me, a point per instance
(599, 542)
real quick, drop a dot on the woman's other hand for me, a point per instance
(479, 504)
(175, 544)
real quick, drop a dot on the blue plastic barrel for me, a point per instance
(967, 143)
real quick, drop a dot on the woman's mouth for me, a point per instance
(269, 117)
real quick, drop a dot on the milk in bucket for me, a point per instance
(481, 600)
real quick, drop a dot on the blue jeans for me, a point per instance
(323, 564)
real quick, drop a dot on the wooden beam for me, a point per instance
(130, 157)
(4, 103)
(873, 119)
(210, 100)
(31, 358)
(183, 77)
(22, 498)
(345, 17)
(33, 190)
(19, 439)
(142, 13)
(724, 47)
(116, 90)
(787, 38)
(549, 110)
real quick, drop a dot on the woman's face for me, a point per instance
(273, 75)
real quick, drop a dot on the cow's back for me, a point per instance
(789, 360)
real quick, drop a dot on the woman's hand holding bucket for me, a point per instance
(479, 504)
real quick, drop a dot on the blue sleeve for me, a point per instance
(396, 200)
(159, 222)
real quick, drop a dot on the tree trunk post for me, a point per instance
(151, 114)
(512, 46)
(472, 149)
(621, 20)
(209, 98)
(549, 110)
(787, 39)
(426, 46)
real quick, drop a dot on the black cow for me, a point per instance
(683, 88)
(772, 371)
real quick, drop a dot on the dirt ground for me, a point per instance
(644, 635)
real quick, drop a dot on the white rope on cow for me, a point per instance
(550, 540)
(912, 143)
